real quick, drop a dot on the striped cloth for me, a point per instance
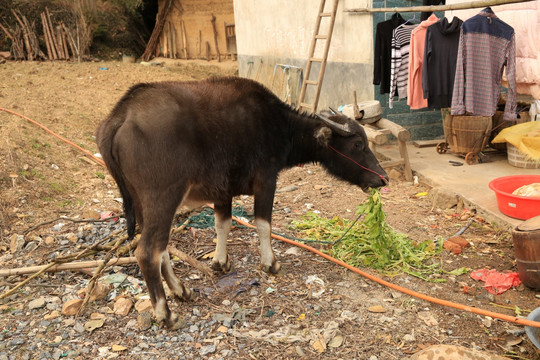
(399, 66)
(486, 46)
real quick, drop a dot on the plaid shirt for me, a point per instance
(486, 45)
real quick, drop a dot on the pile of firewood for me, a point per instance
(61, 42)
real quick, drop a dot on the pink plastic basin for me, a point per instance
(519, 207)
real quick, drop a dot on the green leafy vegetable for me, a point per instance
(373, 243)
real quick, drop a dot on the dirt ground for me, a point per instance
(45, 182)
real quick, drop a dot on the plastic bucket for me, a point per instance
(519, 207)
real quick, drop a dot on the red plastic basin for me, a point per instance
(519, 207)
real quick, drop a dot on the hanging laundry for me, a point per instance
(439, 65)
(486, 45)
(399, 65)
(383, 52)
(415, 94)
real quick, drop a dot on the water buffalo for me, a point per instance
(188, 143)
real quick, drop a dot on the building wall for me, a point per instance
(280, 31)
(196, 15)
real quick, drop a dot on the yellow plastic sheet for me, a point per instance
(525, 137)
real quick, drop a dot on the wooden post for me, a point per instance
(25, 36)
(200, 43)
(51, 32)
(184, 39)
(213, 21)
(172, 30)
(207, 51)
(45, 36)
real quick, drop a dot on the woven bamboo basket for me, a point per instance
(467, 133)
(518, 159)
(498, 124)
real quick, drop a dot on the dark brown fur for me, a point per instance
(178, 142)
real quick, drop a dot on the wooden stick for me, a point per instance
(60, 47)
(191, 261)
(45, 36)
(173, 40)
(460, 6)
(151, 47)
(69, 40)
(200, 43)
(67, 266)
(51, 33)
(213, 21)
(25, 36)
(184, 38)
(22, 283)
(64, 41)
(49, 38)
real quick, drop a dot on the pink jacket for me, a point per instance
(415, 95)
(525, 19)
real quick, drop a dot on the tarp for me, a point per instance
(525, 137)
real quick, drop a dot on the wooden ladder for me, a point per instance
(311, 59)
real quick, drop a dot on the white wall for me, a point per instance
(280, 31)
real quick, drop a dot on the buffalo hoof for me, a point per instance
(175, 323)
(273, 268)
(185, 294)
(224, 267)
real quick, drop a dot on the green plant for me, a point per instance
(374, 243)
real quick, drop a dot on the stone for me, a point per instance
(144, 321)
(49, 240)
(100, 291)
(208, 349)
(443, 198)
(122, 306)
(71, 307)
(53, 315)
(143, 305)
(36, 303)
(17, 243)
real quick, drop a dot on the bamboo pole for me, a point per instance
(26, 36)
(64, 41)
(69, 40)
(54, 54)
(75, 265)
(432, 8)
(60, 47)
(45, 37)
(51, 33)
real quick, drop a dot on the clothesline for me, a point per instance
(432, 8)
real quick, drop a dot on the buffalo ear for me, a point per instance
(323, 135)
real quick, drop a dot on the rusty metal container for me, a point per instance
(526, 237)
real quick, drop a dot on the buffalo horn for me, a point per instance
(342, 129)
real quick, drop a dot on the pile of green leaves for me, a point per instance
(372, 242)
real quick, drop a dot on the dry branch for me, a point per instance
(213, 21)
(191, 261)
(76, 265)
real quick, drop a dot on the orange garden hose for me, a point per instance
(86, 152)
(513, 319)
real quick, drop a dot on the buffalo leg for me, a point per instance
(152, 256)
(223, 226)
(263, 218)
